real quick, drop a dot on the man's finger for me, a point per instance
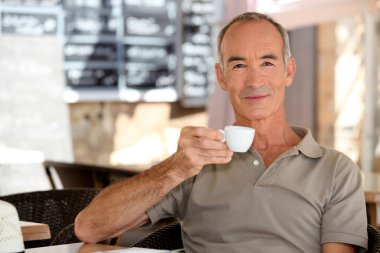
(214, 153)
(205, 143)
(206, 132)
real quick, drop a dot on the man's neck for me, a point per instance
(273, 134)
(278, 136)
(272, 130)
(273, 139)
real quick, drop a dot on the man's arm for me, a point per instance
(338, 248)
(122, 206)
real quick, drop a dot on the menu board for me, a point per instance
(29, 17)
(37, 3)
(91, 77)
(90, 51)
(90, 47)
(89, 22)
(150, 44)
(91, 4)
(28, 23)
(137, 45)
(197, 51)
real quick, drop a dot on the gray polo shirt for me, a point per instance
(308, 196)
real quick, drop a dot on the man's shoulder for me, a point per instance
(333, 152)
(338, 158)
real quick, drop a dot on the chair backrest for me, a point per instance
(78, 175)
(66, 236)
(373, 239)
(167, 237)
(57, 208)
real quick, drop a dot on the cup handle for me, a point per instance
(224, 135)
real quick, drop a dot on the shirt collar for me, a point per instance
(308, 146)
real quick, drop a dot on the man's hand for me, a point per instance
(198, 146)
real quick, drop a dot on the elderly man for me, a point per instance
(285, 194)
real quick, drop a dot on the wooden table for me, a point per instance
(73, 248)
(371, 182)
(32, 231)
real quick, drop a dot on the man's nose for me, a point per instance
(254, 77)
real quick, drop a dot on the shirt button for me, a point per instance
(255, 162)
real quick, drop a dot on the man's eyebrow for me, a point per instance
(235, 58)
(265, 56)
(269, 56)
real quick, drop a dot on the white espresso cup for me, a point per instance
(238, 138)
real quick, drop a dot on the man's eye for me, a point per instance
(238, 66)
(267, 63)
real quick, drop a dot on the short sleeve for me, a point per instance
(344, 219)
(172, 204)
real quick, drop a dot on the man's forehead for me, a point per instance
(254, 37)
(254, 26)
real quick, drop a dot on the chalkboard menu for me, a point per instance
(197, 51)
(90, 47)
(91, 77)
(90, 52)
(37, 3)
(84, 21)
(28, 23)
(29, 17)
(150, 44)
(125, 46)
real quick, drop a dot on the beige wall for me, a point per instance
(341, 88)
(128, 133)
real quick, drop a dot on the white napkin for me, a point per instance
(10, 231)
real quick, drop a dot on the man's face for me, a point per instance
(254, 73)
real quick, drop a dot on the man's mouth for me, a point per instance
(256, 98)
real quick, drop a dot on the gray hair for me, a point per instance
(251, 16)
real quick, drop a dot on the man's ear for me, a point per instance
(219, 76)
(290, 71)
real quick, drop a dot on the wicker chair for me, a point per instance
(167, 237)
(57, 208)
(78, 175)
(373, 239)
(65, 236)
